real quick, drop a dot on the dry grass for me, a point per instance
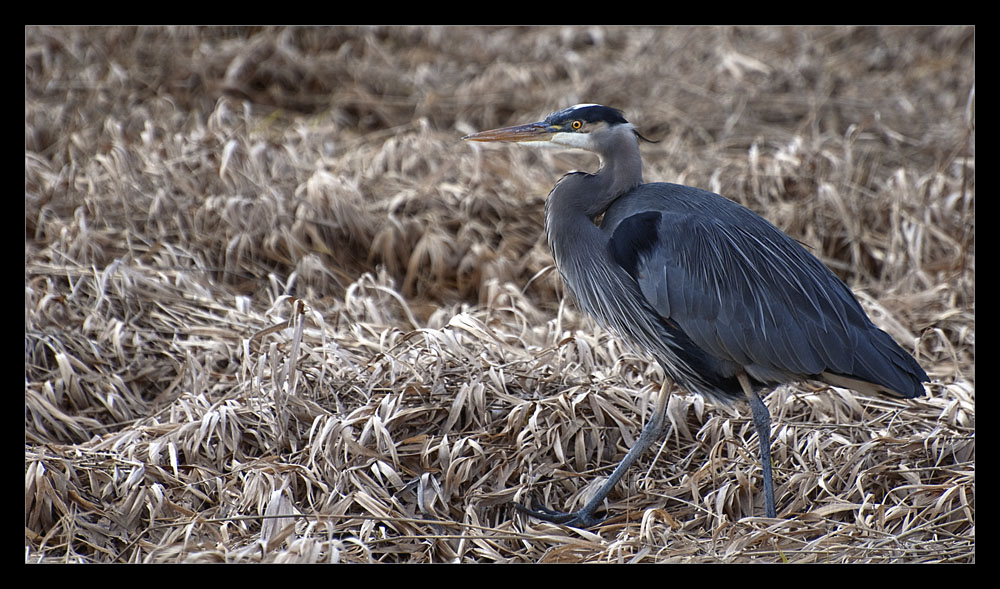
(275, 310)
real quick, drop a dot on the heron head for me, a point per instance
(583, 126)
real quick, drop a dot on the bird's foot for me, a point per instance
(582, 518)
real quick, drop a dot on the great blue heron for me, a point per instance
(726, 303)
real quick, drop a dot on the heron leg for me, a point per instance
(762, 421)
(584, 517)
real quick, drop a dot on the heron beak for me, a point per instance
(529, 132)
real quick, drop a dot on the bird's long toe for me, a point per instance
(576, 519)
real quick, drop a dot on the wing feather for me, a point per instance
(745, 292)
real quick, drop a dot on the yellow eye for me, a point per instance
(576, 125)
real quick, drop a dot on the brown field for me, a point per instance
(264, 277)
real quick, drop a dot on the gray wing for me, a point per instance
(744, 292)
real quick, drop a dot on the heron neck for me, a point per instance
(616, 176)
(620, 171)
(592, 194)
(579, 198)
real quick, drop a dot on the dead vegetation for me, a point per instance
(275, 310)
